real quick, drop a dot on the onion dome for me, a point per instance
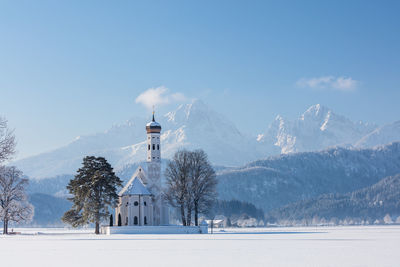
(153, 126)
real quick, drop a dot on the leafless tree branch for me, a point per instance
(7, 141)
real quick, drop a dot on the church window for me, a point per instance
(154, 147)
(145, 220)
(126, 222)
(136, 203)
(145, 203)
(135, 220)
(149, 147)
(158, 147)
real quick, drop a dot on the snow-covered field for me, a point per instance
(311, 246)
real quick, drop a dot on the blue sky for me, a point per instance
(76, 67)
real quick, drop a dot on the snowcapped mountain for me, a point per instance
(190, 126)
(195, 125)
(315, 129)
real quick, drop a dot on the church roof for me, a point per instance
(136, 188)
(135, 185)
(153, 125)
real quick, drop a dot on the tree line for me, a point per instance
(231, 208)
(364, 206)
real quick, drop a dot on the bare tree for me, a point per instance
(7, 141)
(203, 183)
(191, 184)
(14, 206)
(177, 182)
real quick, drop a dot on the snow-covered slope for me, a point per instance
(190, 126)
(195, 125)
(382, 135)
(317, 128)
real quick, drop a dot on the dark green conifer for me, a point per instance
(119, 219)
(94, 192)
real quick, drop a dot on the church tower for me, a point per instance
(153, 130)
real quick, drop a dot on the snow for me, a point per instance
(313, 246)
(135, 187)
(195, 125)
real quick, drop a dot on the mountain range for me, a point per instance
(196, 125)
(377, 203)
(277, 181)
(269, 184)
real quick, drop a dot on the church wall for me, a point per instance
(135, 206)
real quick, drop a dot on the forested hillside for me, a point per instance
(379, 203)
(278, 181)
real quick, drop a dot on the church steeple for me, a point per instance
(153, 130)
(153, 174)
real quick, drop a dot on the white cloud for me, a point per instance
(329, 82)
(158, 96)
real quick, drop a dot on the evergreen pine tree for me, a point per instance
(119, 219)
(94, 191)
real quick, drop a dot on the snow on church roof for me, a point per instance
(136, 188)
(135, 185)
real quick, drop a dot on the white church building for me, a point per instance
(141, 209)
(140, 201)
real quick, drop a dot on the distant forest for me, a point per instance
(234, 209)
(376, 204)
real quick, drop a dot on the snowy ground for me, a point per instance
(322, 246)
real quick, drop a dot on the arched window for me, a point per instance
(145, 203)
(126, 222)
(135, 220)
(158, 147)
(149, 147)
(145, 220)
(154, 147)
(136, 203)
